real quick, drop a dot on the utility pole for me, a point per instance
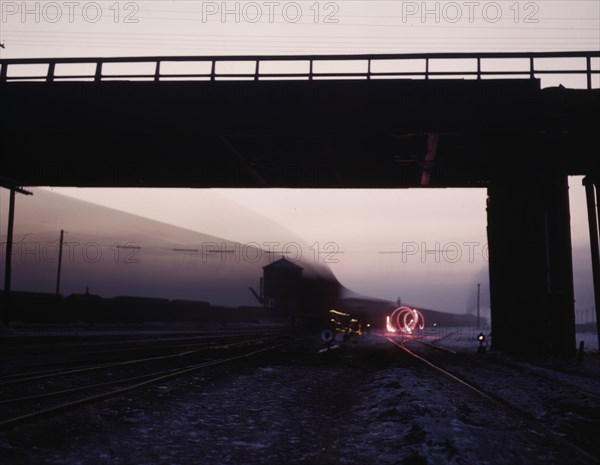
(13, 188)
(9, 233)
(478, 288)
(60, 250)
(9, 242)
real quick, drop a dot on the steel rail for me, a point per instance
(499, 402)
(25, 377)
(114, 393)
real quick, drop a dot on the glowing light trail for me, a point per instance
(388, 325)
(405, 320)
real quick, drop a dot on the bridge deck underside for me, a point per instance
(338, 134)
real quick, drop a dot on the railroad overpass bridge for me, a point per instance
(350, 121)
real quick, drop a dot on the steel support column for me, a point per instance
(561, 292)
(531, 277)
(591, 193)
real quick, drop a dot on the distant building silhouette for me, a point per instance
(282, 282)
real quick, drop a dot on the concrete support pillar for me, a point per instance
(531, 273)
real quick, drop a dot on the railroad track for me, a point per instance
(83, 351)
(534, 424)
(39, 375)
(528, 370)
(116, 356)
(26, 408)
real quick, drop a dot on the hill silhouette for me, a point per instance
(113, 253)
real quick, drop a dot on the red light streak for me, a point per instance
(405, 320)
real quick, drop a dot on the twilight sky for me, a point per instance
(191, 27)
(359, 233)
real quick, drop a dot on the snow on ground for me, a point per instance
(453, 337)
(465, 337)
(590, 340)
(363, 403)
(584, 376)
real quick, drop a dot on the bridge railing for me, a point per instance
(584, 66)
